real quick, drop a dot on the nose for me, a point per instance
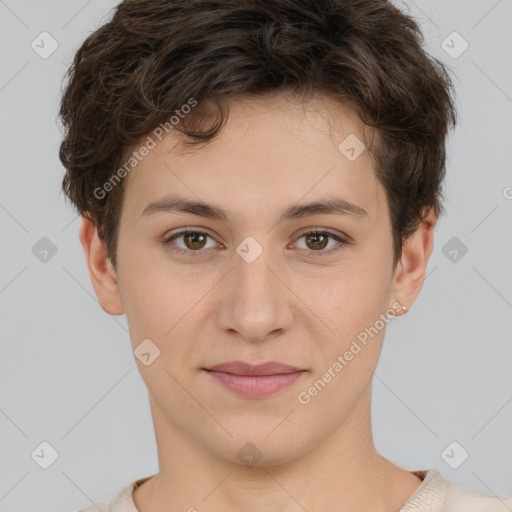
(255, 302)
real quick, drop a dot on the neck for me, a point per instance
(344, 473)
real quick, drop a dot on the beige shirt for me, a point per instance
(435, 494)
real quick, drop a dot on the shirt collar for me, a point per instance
(428, 496)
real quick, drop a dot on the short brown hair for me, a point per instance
(135, 71)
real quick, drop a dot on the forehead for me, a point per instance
(271, 152)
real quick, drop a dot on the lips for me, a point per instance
(254, 381)
(241, 368)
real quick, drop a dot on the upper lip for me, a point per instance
(242, 368)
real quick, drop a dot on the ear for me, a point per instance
(411, 269)
(103, 275)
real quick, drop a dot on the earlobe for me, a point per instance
(411, 269)
(102, 274)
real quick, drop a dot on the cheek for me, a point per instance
(150, 299)
(348, 305)
(162, 303)
(346, 297)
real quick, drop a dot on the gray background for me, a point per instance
(68, 375)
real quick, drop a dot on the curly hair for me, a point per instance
(135, 71)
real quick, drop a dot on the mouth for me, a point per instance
(255, 381)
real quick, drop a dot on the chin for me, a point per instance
(263, 447)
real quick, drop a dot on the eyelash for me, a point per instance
(200, 253)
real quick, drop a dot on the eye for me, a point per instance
(193, 240)
(316, 241)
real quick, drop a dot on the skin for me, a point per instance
(289, 305)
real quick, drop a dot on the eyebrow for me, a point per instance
(177, 204)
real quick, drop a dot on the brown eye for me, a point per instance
(194, 240)
(318, 241)
(189, 242)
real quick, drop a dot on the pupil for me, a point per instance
(316, 236)
(194, 237)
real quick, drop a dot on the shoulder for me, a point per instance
(123, 502)
(436, 494)
(466, 500)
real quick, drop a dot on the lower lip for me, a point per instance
(255, 386)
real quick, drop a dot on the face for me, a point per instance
(256, 284)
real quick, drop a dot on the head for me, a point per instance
(253, 111)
